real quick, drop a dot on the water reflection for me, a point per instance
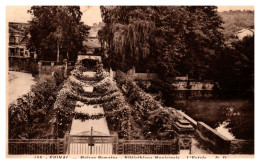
(232, 118)
(222, 129)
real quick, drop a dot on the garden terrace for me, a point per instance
(150, 115)
(105, 94)
(32, 115)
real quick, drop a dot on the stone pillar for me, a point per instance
(52, 66)
(65, 68)
(111, 74)
(34, 55)
(40, 67)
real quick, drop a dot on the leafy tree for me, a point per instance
(235, 20)
(56, 29)
(236, 68)
(167, 39)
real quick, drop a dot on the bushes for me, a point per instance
(149, 113)
(59, 75)
(31, 111)
(32, 115)
(106, 94)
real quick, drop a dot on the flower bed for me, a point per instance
(133, 116)
(149, 114)
(105, 94)
(30, 116)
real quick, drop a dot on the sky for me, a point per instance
(91, 14)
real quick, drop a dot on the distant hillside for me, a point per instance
(235, 21)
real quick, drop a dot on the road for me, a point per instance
(18, 84)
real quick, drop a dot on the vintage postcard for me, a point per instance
(132, 82)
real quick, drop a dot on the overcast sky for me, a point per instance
(91, 14)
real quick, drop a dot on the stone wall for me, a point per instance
(145, 76)
(242, 147)
(191, 120)
(193, 85)
(29, 65)
(218, 143)
(192, 94)
(22, 64)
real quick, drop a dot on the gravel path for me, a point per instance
(19, 83)
(80, 128)
(99, 126)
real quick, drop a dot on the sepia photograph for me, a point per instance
(130, 81)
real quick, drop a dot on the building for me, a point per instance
(18, 39)
(244, 32)
(92, 43)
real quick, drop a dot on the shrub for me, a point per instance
(59, 75)
(29, 116)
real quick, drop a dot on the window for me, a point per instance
(12, 39)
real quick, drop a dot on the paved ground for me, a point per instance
(99, 126)
(80, 128)
(19, 83)
(196, 148)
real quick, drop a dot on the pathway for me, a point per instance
(83, 128)
(18, 84)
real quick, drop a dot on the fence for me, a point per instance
(85, 145)
(148, 147)
(47, 67)
(36, 146)
(22, 64)
(34, 66)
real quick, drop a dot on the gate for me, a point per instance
(92, 144)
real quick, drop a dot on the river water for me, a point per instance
(233, 118)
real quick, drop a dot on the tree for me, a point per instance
(170, 40)
(56, 28)
(235, 68)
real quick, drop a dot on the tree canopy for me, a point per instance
(169, 40)
(235, 21)
(56, 30)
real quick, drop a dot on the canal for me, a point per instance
(233, 118)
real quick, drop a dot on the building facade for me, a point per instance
(18, 39)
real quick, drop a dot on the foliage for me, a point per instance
(145, 121)
(235, 21)
(149, 114)
(113, 103)
(29, 117)
(166, 39)
(59, 75)
(56, 28)
(236, 68)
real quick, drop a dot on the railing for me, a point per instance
(36, 146)
(22, 64)
(148, 147)
(84, 145)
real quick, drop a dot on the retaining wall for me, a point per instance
(241, 147)
(214, 140)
